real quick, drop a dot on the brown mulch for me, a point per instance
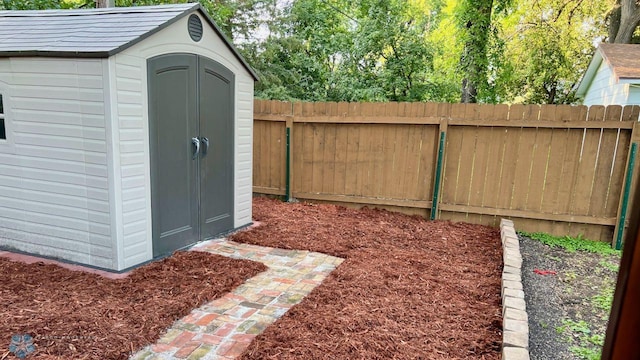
(78, 315)
(408, 289)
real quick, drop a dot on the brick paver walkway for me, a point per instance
(223, 328)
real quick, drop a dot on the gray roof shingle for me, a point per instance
(90, 32)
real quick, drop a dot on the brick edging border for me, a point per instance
(515, 321)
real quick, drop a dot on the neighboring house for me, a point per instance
(125, 133)
(613, 76)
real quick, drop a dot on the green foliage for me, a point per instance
(609, 266)
(589, 345)
(42, 4)
(508, 51)
(548, 44)
(604, 299)
(570, 327)
(586, 353)
(572, 244)
(478, 32)
(335, 50)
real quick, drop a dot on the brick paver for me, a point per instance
(223, 328)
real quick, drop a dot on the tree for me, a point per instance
(339, 50)
(548, 45)
(475, 23)
(624, 19)
(39, 4)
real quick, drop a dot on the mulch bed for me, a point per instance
(408, 289)
(78, 315)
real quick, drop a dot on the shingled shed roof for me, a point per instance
(97, 33)
(621, 58)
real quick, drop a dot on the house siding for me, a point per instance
(605, 90)
(54, 189)
(133, 122)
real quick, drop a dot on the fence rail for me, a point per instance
(557, 169)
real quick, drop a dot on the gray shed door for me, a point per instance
(191, 138)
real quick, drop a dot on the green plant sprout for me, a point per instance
(573, 244)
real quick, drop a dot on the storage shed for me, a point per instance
(613, 76)
(125, 133)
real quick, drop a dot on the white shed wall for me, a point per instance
(605, 90)
(54, 191)
(130, 90)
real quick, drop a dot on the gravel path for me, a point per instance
(540, 293)
(566, 296)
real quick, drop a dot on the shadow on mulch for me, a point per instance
(77, 315)
(408, 289)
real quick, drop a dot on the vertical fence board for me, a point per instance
(306, 182)
(429, 137)
(602, 176)
(341, 144)
(541, 159)
(399, 170)
(526, 145)
(481, 156)
(329, 158)
(452, 157)
(510, 158)
(583, 188)
(353, 145)
(495, 159)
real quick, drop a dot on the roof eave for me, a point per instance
(588, 76)
(228, 42)
(55, 54)
(198, 7)
(105, 54)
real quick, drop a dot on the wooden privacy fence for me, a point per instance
(556, 169)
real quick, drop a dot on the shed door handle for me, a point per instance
(196, 142)
(205, 141)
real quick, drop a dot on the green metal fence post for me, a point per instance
(436, 186)
(625, 195)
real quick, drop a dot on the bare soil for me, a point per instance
(408, 289)
(566, 319)
(79, 315)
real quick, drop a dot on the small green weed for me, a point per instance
(596, 339)
(604, 299)
(572, 244)
(590, 345)
(551, 257)
(586, 353)
(609, 265)
(577, 326)
(570, 275)
(544, 325)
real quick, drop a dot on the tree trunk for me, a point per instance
(614, 22)
(474, 57)
(469, 92)
(629, 19)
